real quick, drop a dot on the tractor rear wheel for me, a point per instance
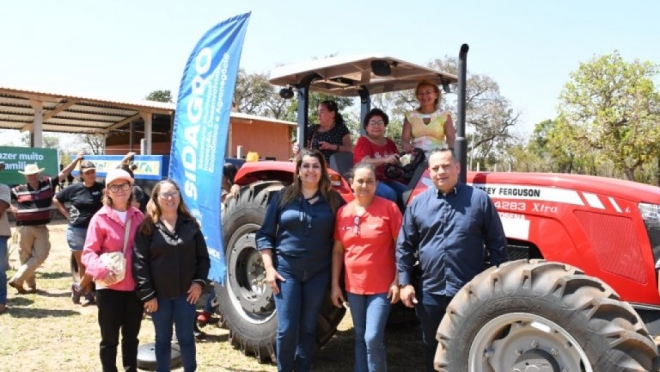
(541, 316)
(245, 301)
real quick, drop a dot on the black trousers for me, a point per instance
(430, 311)
(119, 310)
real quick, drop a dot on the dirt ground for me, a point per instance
(47, 332)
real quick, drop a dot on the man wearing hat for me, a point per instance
(33, 205)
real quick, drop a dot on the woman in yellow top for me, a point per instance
(428, 127)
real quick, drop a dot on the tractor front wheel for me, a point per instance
(541, 316)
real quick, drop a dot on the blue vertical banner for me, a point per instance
(201, 126)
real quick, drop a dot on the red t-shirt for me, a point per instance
(364, 147)
(369, 260)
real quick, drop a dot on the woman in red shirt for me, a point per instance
(365, 235)
(374, 148)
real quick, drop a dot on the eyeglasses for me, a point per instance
(168, 195)
(122, 187)
(376, 122)
(313, 166)
(356, 225)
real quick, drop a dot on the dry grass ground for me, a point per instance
(46, 332)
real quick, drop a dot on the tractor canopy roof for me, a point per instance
(346, 76)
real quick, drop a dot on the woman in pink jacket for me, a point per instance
(118, 306)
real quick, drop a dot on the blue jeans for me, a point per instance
(75, 237)
(181, 313)
(369, 313)
(4, 265)
(391, 190)
(430, 311)
(298, 305)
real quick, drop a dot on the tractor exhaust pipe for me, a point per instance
(460, 145)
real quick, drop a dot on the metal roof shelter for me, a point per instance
(38, 111)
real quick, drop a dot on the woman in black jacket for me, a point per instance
(170, 264)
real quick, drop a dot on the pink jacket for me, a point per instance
(106, 234)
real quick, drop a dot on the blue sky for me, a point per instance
(128, 48)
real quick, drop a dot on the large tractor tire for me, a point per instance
(246, 301)
(533, 315)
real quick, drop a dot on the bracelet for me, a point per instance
(337, 148)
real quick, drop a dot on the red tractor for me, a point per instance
(579, 294)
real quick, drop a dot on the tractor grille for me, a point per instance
(610, 236)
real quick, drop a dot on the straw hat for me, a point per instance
(31, 169)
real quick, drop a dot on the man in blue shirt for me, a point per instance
(455, 229)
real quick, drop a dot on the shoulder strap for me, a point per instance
(126, 232)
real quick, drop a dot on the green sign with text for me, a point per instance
(16, 158)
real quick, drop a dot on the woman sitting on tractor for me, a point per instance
(428, 127)
(376, 149)
(330, 135)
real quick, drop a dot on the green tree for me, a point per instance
(523, 160)
(610, 109)
(160, 96)
(545, 143)
(254, 95)
(546, 151)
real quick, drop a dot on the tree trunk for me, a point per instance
(630, 173)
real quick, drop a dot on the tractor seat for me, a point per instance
(341, 162)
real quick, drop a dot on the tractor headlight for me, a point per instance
(336, 180)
